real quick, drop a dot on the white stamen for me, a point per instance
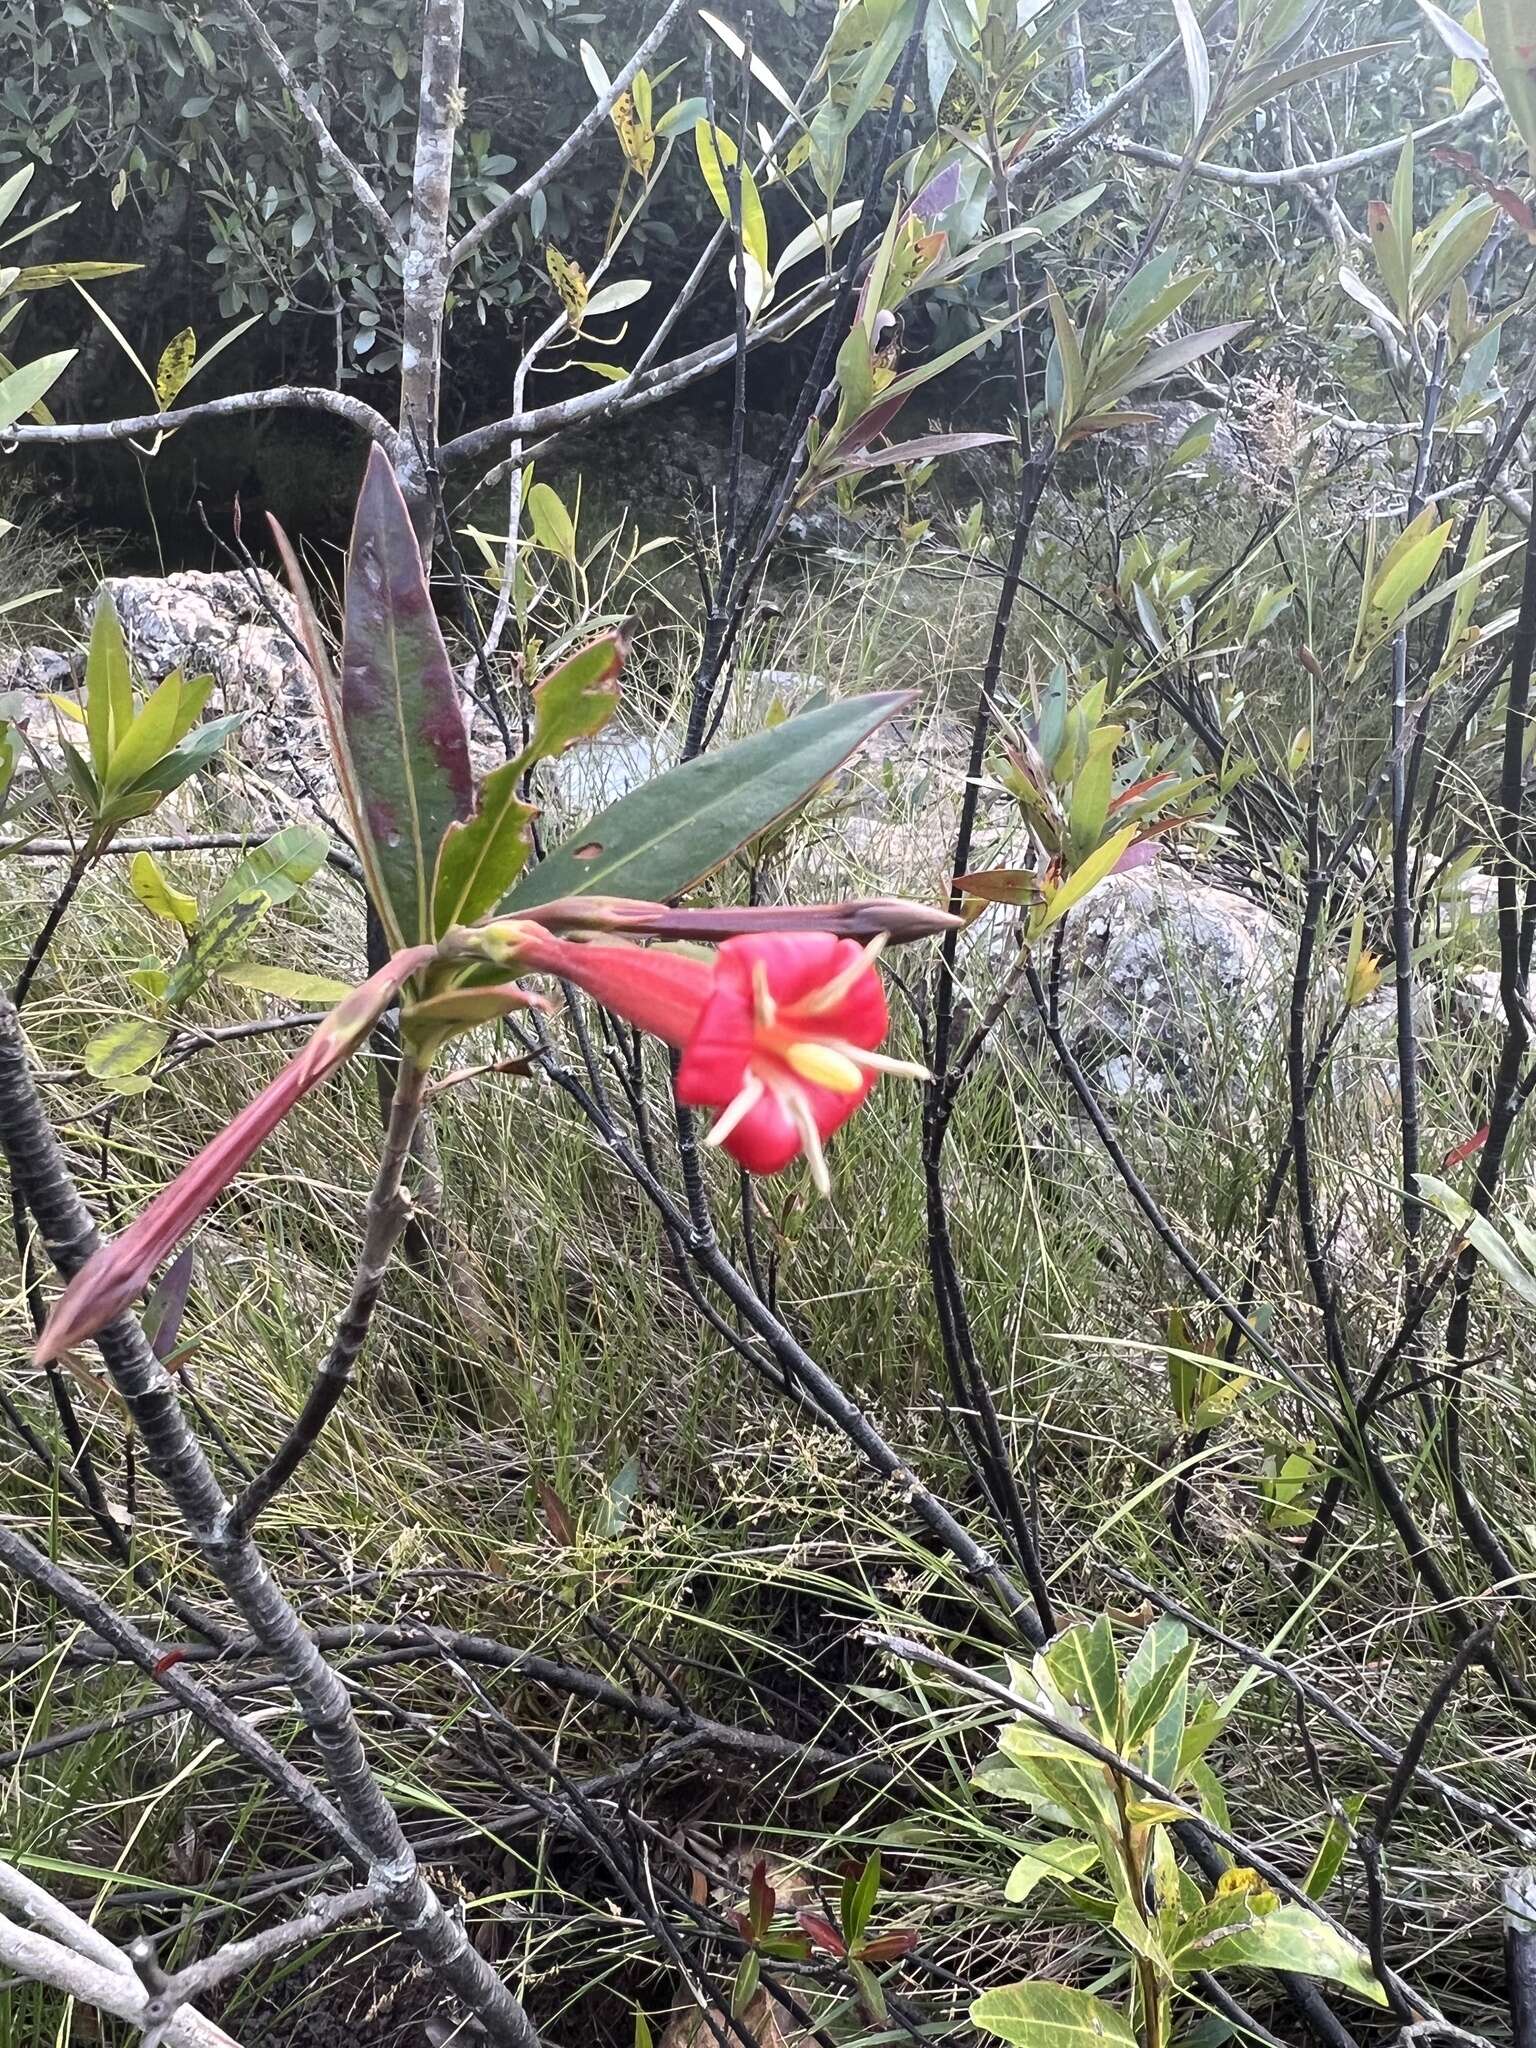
(741, 1104)
(798, 1108)
(764, 1008)
(879, 1062)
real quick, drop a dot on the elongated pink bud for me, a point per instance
(864, 917)
(119, 1271)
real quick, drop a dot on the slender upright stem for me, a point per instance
(388, 1211)
(78, 868)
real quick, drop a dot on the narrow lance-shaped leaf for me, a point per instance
(662, 839)
(1100, 862)
(118, 1271)
(24, 389)
(400, 706)
(482, 857)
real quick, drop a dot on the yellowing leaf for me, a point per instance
(148, 882)
(636, 138)
(552, 526)
(717, 155)
(285, 981)
(124, 1047)
(174, 367)
(1409, 564)
(570, 281)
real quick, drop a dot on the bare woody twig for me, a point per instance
(1309, 173)
(235, 1957)
(387, 1213)
(277, 398)
(165, 1667)
(110, 1989)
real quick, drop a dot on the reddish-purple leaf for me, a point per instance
(764, 1900)
(923, 449)
(400, 712)
(887, 1948)
(1139, 854)
(872, 424)
(1467, 1149)
(119, 1270)
(328, 693)
(557, 1515)
(822, 1933)
(937, 196)
(1001, 885)
(167, 1304)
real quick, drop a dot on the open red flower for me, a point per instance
(779, 1032)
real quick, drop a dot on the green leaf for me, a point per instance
(1289, 1938)
(660, 840)
(1480, 1232)
(1409, 563)
(400, 712)
(173, 769)
(1082, 1661)
(147, 881)
(219, 943)
(481, 858)
(1064, 368)
(1449, 249)
(1091, 792)
(108, 685)
(1164, 362)
(22, 389)
(1332, 1849)
(1100, 862)
(551, 523)
(1055, 1862)
(147, 738)
(1273, 84)
(12, 189)
(277, 869)
(125, 1046)
(1197, 62)
(578, 698)
(1155, 1698)
(859, 1901)
(1042, 2015)
(264, 979)
(1061, 1774)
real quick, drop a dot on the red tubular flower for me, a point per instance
(779, 1033)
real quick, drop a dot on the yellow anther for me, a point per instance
(819, 1063)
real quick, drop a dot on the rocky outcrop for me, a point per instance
(1168, 980)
